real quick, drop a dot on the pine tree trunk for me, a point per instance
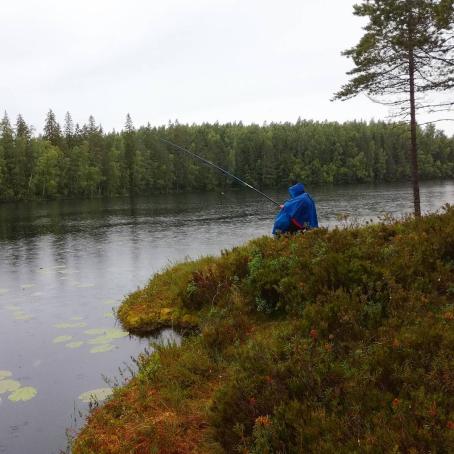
(413, 144)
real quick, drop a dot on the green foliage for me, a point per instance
(47, 175)
(335, 341)
(86, 162)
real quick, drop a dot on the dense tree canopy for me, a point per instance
(76, 161)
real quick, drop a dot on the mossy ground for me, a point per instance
(337, 341)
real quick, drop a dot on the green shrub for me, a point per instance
(331, 341)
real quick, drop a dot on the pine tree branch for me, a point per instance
(435, 121)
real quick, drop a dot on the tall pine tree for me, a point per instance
(407, 50)
(52, 130)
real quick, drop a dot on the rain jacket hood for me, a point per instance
(296, 190)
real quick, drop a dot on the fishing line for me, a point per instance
(226, 172)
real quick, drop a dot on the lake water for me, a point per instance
(65, 265)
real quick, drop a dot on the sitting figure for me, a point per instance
(297, 213)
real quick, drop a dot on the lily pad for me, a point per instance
(60, 339)
(12, 307)
(75, 344)
(95, 331)
(95, 394)
(99, 340)
(5, 374)
(8, 386)
(24, 286)
(23, 394)
(116, 333)
(102, 348)
(80, 285)
(20, 315)
(77, 318)
(70, 325)
(109, 315)
(3, 291)
(109, 302)
(108, 335)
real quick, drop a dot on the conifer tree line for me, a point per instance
(84, 162)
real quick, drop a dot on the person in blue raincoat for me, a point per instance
(297, 213)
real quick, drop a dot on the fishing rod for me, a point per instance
(218, 168)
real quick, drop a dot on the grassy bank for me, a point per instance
(337, 341)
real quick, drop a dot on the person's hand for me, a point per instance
(281, 206)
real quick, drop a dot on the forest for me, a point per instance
(73, 161)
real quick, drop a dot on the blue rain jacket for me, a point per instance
(298, 213)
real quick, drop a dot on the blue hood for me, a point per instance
(296, 190)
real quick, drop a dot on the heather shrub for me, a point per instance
(331, 341)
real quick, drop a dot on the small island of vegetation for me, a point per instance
(328, 341)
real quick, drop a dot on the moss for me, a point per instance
(322, 342)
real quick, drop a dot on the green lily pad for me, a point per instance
(12, 307)
(60, 339)
(95, 394)
(109, 335)
(24, 286)
(95, 331)
(70, 325)
(5, 374)
(23, 394)
(21, 315)
(3, 291)
(8, 386)
(75, 344)
(99, 340)
(109, 302)
(80, 285)
(102, 348)
(116, 333)
(109, 315)
(77, 318)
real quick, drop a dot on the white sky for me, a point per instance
(195, 61)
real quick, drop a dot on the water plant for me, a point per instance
(66, 325)
(97, 394)
(61, 339)
(5, 374)
(75, 344)
(8, 385)
(23, 394)
(102, 348)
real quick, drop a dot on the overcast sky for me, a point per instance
(195, 61)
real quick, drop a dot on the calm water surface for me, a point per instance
(65, 265)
